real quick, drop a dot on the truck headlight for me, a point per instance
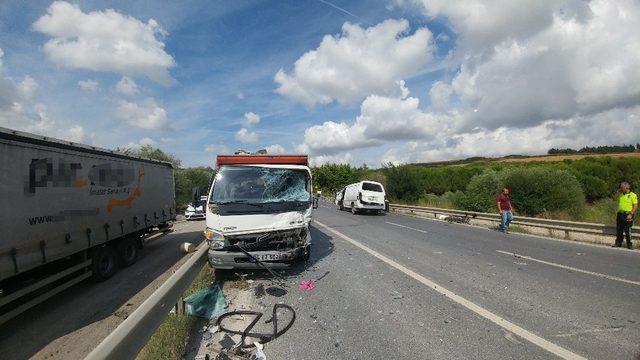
(214, 238)
(216, 244)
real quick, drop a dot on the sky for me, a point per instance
(358, 82)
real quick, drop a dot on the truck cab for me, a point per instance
(259, 210)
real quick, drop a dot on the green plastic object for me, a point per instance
(207, 303)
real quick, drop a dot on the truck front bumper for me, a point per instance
(220, 259)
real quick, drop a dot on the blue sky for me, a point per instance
(404, 81)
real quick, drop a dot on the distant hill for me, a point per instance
(476, 160)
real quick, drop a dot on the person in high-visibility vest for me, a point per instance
(627, 208)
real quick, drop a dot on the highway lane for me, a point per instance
(72, 323)
(366, 308)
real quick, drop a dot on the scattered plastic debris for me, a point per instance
(207, 303)
(187, 247)
(227, 342)
(259, 291)
(259, 354)
(307, 285)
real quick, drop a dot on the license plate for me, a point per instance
(272, 257)
(371, 198)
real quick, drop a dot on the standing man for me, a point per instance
(504, 207)
(627, 207)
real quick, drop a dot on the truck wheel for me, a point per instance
(353, 209)
(104, 263)
(127, 252)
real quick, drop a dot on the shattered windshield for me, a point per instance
(251, 184)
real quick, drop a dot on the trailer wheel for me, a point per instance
(127, 252)
(104, 262)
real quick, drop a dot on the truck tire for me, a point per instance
(104, 262)
(127, 252)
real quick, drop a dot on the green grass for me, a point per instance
(170, 339)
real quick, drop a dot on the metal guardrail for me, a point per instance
(561, 225)
(132, 334)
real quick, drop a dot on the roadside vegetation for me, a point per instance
(578, 190)
(170, 339)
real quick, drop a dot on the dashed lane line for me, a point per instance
(610, 277)
(496, 319)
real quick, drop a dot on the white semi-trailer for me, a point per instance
(70, 211)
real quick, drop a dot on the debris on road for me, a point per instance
(275, 291)
(187, 247)
(263, 337)
(307, 285)
(396, 295)
(207, 303)
(259, 291)
(259, 354)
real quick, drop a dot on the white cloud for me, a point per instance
(245, 136)
(344, 158)
(146, 115)
(127, 86)
(240, 96)
(357, 63)
(145, 141)
(28, 87)
(19, 110)
(251, 119)
(577, 132)
(88, 85)
(565, 75)
(76, 134)
(574, 67)
(215, 148)
(439, 96)
(104, 41)
(275, 149)
(482, 24)
(381, 119)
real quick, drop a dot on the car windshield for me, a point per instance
(257, 185)
(371, 187)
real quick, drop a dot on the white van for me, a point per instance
(362, 196)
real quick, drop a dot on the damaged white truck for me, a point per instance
(259, 211)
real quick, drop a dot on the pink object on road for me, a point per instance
(307, 285)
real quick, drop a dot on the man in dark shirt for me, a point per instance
(504, 206)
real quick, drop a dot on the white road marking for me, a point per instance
(406, 227)
(505, 324)
(610, 277)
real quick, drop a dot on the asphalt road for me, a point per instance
(72, 323)
(398, 287)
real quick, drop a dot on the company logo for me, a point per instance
(126, 202)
